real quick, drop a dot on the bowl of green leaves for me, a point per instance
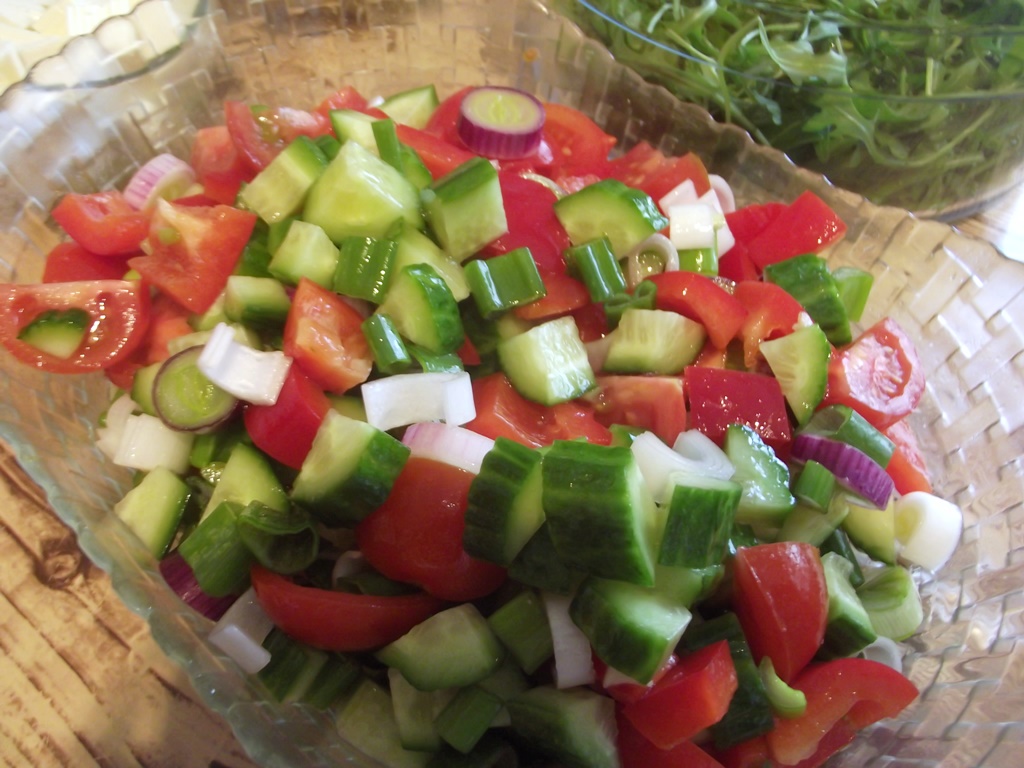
(911, 103)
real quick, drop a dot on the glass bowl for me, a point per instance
(897, 101)
(86, 120)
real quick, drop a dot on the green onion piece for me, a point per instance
(522, 626)
(892, 601)
(388, 146)
(466, 718)
(854, 287)
(390, 352)
(256, 255)
(813, 525)
(839, 542)
(502, 282)
(285, 542)
(328, 144)
(215, 552)
(814, 485)
(786, 701)
(216, 446)
(840, 422)
(364, 267)
(641, 298)
(436, 362)
(848, 629)
(370, 582)
(595, 264)
(300, 673)
(704, 261)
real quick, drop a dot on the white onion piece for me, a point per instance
(662, 466)
(108, 437)
(886, 651)
(501, 123)
(349, 563)
(597, 351)
(253, 375)
(722, 189)
(574, 664)
(928, 529)
(724, 238)
(692, 226)
(704, 453)
(407, 398)
(448, 443)
(147, 443)
(684, 193)
(164, 176)
(635, 270)
(241, 631)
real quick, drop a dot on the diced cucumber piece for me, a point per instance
(256, 301)
(492, 751)
(153, 509)
(601, 515)
(609, 208)
(653, 341)
(142, 388)
(415, 712)
(353, 125)
(812, 525)
(854, 289)
(522, 626)
(892, 601)
(280, 189)
(872, 530)
(633, 629)
(701, 513)
(215, 552)
(414, 247)
(467, 717)
(799, 360)
(292, 668)
(412, 107)
(245, 477)
(464, 208)
(359, 194)
(57, 332)
(548, 363)
(574, 726)
(453, 648)
(504, 508)
(766, 497)
(814, 485)
(349, 470)
(366, 720)
(424, 309)
(807, 278)
(839, 542)
(306, 251)
(538, 565)
(848, 627)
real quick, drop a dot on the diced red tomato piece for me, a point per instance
(648, 169)
(503, 412)
(444, 120)
(700, 298)
(719, 397)
(565, 294)
(324, 335)
(69, 262)
(260, 133)
(191, 251)
(736, 264)
(103, 223)
(807, 225)
(752, 753)
(579, 145)
(530, 212)
(285, 430)
(780, 598)
(338, 621)
(843, 697)
(218, 165)
(636, 751)
(119, 311)
(879, 374)
(907, 467)
(693, 695)
(654, 403)
(438, 155)
(627, 691)
(748, 222)
(415, 536)
(345, 97)
(771, 312)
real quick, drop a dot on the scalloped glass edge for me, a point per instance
(570, 68)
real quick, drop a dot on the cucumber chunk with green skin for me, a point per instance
(872, 530)
(142, 388)
(548, 363)
(631, 628)
(892, 601)
(257, 301)
(609, 208)
(153, 509)
(57, 332)
(359, 194)
(247, 476)
(215, 552)
(813, 525)
(349, 470)
(848, 627)
(522, 626)
(538, 565)
(366, 720)
(601, 515)
(504, 507)
(424, 309)
(799, 360)
(415, 712)
(700, 518)
(464, 208)
(653, 341)
(453, 648)
(414, 247)
(280, 189)
(467, 717)
(412, 107)
(353, 125)
(306, 251)
(574, 726)
(807, 278)
(766, 498)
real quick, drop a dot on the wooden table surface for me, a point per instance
(83, 684)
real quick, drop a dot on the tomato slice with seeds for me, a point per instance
(103, 223)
